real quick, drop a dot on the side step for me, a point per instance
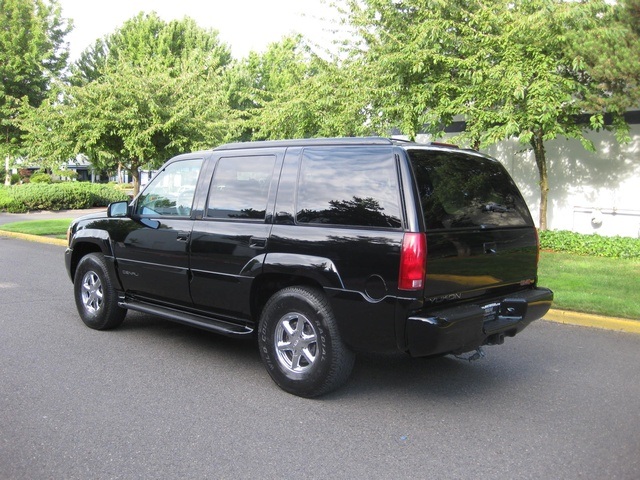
(216, 325)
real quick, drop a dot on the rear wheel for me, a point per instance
(95, 295)
(300, 343)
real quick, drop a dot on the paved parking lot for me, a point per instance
(159, 400)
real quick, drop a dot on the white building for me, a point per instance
(588, 192)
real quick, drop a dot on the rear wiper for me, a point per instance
(495, 207)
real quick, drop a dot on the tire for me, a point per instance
(96, 298)
(300, 343)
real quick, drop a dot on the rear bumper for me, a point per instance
(467, 327)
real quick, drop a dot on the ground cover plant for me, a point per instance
(594, 244)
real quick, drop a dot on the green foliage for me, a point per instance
(57, 196)
(290, 92)
(157, 92)
(32, 53)
(40, 177)
(511, 68)
(147, 36)
(594, 245)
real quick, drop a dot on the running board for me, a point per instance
(192, 319)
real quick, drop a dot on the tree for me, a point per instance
(32, 55)
(290, 92)
(145, 36)
(509, 67)
(142, 105)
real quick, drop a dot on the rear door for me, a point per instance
(228, 244)
(480, 235)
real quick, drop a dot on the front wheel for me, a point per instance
(95, 295)
(300, 343)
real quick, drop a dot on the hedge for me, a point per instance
(58, 196)
(593, 244)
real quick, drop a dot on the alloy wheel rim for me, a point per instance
(92, 294)
(296, 343)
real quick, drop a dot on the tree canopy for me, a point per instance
(530, 69)
(140, 101)
(510, 68)
(32, 55)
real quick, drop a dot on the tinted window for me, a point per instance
(171, 191)
(240, 187)
(356, 186)
(460, 190)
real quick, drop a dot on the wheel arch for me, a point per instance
(281, 270)
(91, 241)
(267, 284)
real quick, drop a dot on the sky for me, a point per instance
(245, 25)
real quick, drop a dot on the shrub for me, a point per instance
(594, 245)
(58, 196)
(40, 177)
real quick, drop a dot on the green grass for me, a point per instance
(605, 286)
(581, 283)
(54, 228)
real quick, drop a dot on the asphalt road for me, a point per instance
(158, 400)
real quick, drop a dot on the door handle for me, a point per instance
(257, 242)
(183, 236)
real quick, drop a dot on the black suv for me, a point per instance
(320, 247)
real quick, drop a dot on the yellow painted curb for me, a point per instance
(595, 321)
(34, 238)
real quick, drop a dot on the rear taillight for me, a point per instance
(413, 259)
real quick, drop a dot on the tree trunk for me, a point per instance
(135, 176)
(541, 161)
(7, 176)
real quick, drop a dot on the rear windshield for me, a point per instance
(459, 190)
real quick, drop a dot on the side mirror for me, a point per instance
(118, 209)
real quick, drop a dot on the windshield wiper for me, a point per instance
(495, 207)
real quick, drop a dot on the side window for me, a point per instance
(240, 188)
(171, 191)
(356, 187)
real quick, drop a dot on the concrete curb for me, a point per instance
(594, 321)
(557, 316)
(34, 238)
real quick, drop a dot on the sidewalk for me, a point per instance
(558, 316)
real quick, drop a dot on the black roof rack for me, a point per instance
(307, 142)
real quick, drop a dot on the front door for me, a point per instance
(153, 251)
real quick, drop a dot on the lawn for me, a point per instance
(55, 228)
(605, 286)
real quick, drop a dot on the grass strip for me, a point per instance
(56, 227)
(604, 286)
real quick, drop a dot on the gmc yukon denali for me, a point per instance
(319, 248)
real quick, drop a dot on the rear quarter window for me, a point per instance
(349, 186)
(459, 190)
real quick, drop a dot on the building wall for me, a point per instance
(588, 192)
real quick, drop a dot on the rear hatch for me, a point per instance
(481, 240)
